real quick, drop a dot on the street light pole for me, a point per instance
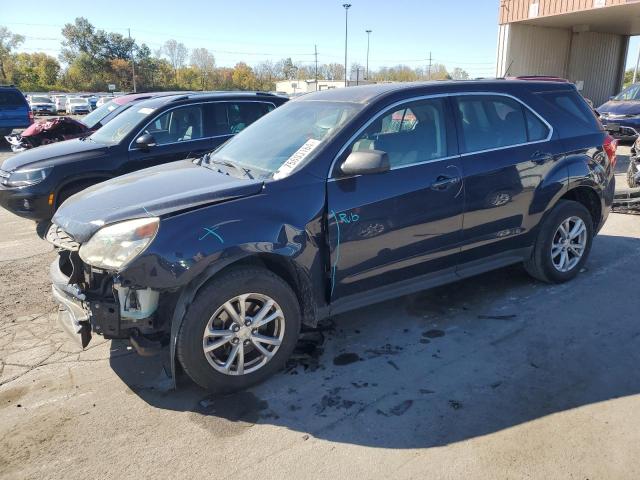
(346, 6)
(368, 37)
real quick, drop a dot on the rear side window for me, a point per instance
(243, 114)
(229, 118)
(536, 129)
(488, 122)
(11, 98)
(574, 115)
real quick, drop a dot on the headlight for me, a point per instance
(24, 178)
(113, 246)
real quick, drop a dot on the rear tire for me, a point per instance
(207, 324)
(551, 249)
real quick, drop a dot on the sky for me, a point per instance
(457, 33)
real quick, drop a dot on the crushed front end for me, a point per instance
(96, 300)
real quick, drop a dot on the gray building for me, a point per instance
(584, 41)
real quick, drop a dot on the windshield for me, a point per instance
(99, 114)
(284, 139)
(629, 93)
(40, 100)
(121, 125)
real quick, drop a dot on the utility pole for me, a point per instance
(133, 64)
(430, 64)
(368, 37)
(316, 54)
(346, 6)
(357, 76)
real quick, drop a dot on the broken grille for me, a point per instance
(62, 239)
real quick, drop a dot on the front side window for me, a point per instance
(410, 134)
(178, 125)
(490, 121)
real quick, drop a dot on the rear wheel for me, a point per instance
(240, 329)
(563, 243)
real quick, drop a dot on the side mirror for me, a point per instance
(145, 141)
(365, 162)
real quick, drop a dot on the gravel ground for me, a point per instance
(494, 377)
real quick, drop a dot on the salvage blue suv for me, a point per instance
(336, 200)
(15, 111)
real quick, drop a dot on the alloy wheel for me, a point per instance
(569, 244)
(243, 334)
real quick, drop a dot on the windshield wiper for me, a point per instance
(208, 159)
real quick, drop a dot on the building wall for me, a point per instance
(530, 50)
(516, 10)
(596, 59)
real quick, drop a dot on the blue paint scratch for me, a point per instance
(335, 263)
(211, 231)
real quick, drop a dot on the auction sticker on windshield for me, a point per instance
(294, 160)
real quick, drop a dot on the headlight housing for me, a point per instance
(113, 246)
(24, 178)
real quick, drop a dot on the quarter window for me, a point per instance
(410, 134)
(178, 125)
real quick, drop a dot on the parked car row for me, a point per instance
(219, 224)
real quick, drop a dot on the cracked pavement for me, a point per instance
(497, 376)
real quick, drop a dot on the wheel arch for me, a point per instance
(589, 198)
(285, 267)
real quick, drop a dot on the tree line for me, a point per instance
(90, 59)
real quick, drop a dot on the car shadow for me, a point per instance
(445, 365)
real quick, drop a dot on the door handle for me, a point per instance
(540, 158)
(443, 182)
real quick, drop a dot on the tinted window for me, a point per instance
(177, 125)
(489, 122)
(219, 119)
(411, 134)
(575, 116)
(242, 114)
(536, 129)
(11, 98)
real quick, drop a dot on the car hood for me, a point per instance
(621, 107)
(55, 154)
(153, 191)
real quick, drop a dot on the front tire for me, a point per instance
(240, 329)
(563, 243)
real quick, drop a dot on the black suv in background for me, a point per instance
(164, 129)
(336, 200)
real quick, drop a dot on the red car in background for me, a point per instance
(65, 128)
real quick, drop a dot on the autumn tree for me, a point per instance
(205, 63)
(177, 53)
(8, 43)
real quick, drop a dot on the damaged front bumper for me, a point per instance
(82, 313)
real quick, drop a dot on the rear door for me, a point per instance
(506, 152)
(404, 223)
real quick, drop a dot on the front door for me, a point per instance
(404, 223)
(179, 133)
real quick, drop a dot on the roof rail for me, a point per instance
(8, 85)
